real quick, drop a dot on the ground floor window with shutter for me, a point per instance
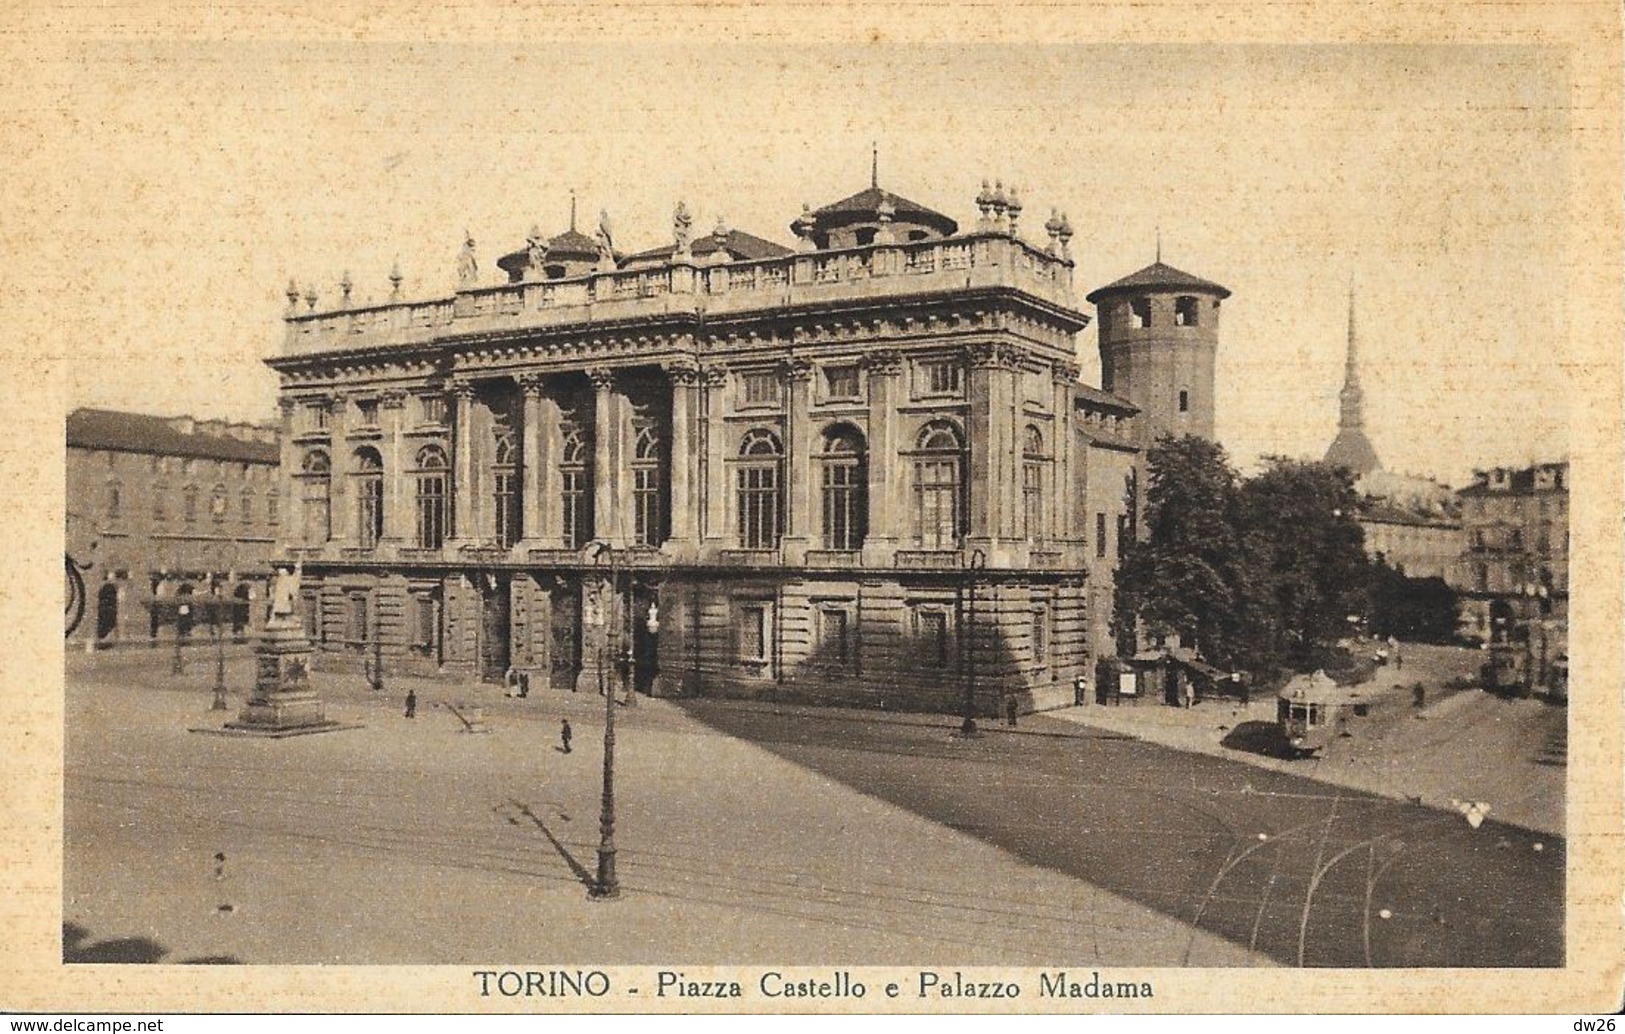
(753, 632)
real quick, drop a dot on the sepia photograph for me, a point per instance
(620, 520)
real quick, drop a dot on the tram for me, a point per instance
(1313, 709)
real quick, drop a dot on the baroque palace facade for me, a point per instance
(858, 471)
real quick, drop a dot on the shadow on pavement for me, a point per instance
(1304, 872)
(587, 879)
(78, 948)
(1262, 738)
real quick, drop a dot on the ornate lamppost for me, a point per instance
(219, 649)
(606, 887)
(177, 664)
(975, 562)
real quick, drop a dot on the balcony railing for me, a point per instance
(975, 260)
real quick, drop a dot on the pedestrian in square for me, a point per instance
(1394, 654)
(411, 703)
(564, 734)
(1010, 710)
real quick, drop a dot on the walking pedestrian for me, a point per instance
(564, 734)
(1419, 695)
(411, 704)
(1394, 654)
(1010, 711)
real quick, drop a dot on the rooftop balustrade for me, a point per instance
(691, 288)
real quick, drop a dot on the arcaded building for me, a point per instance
(166, 514)
(860, 470)
(1514, 563)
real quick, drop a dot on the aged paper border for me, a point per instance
(31, 715)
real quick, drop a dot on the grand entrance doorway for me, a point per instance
(564, 657)
(495, 653)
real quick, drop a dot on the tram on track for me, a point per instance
(1311, 710)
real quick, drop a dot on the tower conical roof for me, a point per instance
(1159, 276)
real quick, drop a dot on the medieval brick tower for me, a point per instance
(1159, 340)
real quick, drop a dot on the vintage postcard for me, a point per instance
(872, 509)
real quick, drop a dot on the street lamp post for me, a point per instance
(177, 664)
(606, 887)
(219, 653)
(976, 562)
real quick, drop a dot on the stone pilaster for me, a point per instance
(684, 376)
(292, 496)
(888, 511)
(538, 458)
(798, 446)
(605, 504)
(715, 480)
(463, 486)
(341, 494)
(1063, 504)
(397, 500)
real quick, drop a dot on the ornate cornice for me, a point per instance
(1065, 372)
(393, 398)
(714, 375)
(683, 371)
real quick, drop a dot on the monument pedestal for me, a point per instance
(283, 702)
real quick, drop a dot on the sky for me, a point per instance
(184, 184)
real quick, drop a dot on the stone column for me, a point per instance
(798, 446)
(888, 471)
(397, 501)
(988, 451)
(684, 375)
(341, 519)
(463, 488)
(538, 458)
(714, 487)
(605, 508)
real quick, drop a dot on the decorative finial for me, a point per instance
(721, 232)
(535, 253)
(1065, 236)
(1013, 204)
(1159, 242)
(984, 204)
(803, 227)
(874, 164)
(572, 210)
(1052, 226)
(999, 204)
(310, 296)
(293, 294)
(395, 279)
(346, 285)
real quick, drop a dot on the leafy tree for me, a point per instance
(1186, 573)
(1421, 609)
(1305, 554)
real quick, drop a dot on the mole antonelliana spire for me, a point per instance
(1351, 448)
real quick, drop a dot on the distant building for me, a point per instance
(1351, 449)
(167, 509)
(1514, 564)
(1410, 539)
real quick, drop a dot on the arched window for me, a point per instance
(939, 508)
(189, 502)
(757, 479)
(245, 505)
(273, 508)
(316, 481)
(575, 481)
(1033, 462)
(430, 478)
(218, 504)
(369, 484)
(845, 478)
(160, 495)
(505, 488)
(647, 524)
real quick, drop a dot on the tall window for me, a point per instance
(1185, 311)
(273, 508)
(189, 502)
(939, 377)
(646, 523)
(505, 488)
(115, 501)
(752, 628)
(845, 480)
(316, 479)
(430, 477)
(1100, 534)
(217, 504)
(369, 478)
(757, 477)
(160, 493)
(245, 506)
(1140, 313)
(841, 382)
(761, 388)
(577, 499)
(939, 510)
(1033, 463)
(1040, 636)
(432, 409)
(834, 637)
